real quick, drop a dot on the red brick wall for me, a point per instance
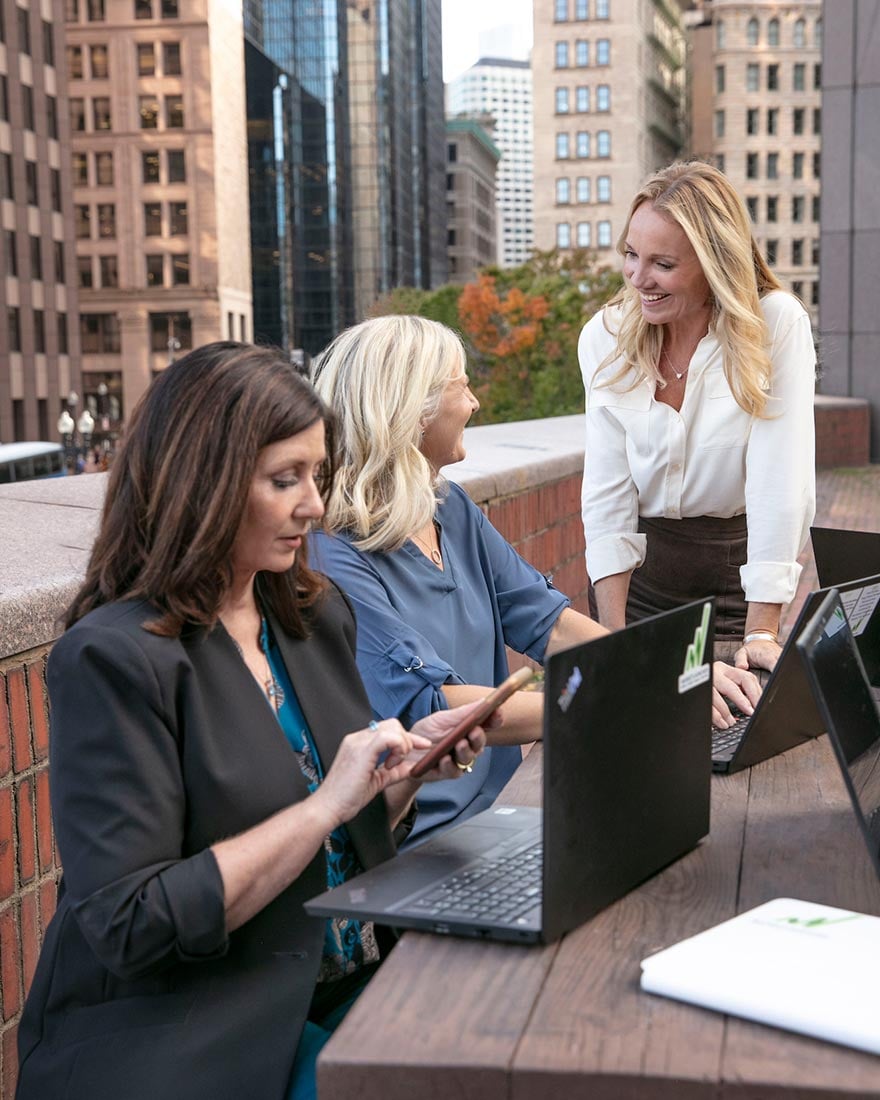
(843, 435)
(28, 866)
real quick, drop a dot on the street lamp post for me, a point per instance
(75, 448)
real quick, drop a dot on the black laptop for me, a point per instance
(626, 792)
(848, 704)
(786, 714)
(843, 556)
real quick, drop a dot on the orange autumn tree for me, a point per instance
(502, 325)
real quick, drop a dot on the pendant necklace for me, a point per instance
(678, 374)
(270, 685)
(433, 552)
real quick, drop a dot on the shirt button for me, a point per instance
(675, 467)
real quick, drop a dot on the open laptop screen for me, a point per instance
(847, 703)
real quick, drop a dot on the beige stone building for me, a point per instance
(472, 228)
(757, 111)
(39, 336)
(608, 85)
(160, 177)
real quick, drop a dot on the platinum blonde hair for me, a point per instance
(384, 379)
(702, 201)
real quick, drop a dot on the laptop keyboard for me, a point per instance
(725, 742)
(499, 888)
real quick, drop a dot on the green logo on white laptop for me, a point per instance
(696, 669)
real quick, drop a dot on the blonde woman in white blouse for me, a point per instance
(699, 473)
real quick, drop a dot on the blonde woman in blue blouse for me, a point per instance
(700, 456)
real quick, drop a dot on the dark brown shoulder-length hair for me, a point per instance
(179, 487)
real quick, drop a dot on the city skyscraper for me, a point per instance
(758, 115)
(351, 171)
(609, 94)
(471, 162)
(500, 90)
(157, 108)
(39, 336)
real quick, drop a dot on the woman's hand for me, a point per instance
(737, 685)
(762, 653)
(435, 726)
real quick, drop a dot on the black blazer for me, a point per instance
(159, 748)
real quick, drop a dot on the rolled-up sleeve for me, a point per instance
(119, 806)
(781, 466)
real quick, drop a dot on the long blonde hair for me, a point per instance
(700, 199)
(384, 378)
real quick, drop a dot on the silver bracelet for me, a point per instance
(760, 636)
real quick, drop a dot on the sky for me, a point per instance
(464, 19)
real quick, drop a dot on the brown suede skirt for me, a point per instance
(685, 560)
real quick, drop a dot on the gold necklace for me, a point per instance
(433, 551)
(678, 374)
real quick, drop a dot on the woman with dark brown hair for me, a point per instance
(204, 779)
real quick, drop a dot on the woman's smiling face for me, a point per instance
(661, 264)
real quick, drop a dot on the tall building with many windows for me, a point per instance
(502, 90)
(759, 117)
(159, 155)
(609, 88)
(471, 227)
(39, 339)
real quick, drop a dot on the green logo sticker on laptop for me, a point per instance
(696, 670)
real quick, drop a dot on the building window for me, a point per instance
(560, 11)
(817, 76)
(146, 59)
(752, 32)
(814, 252)
(561, 55)
(561, 146)
(148, 106)
(179, 219)
(13, 319)
(180, 269)
(772, 208)
(719, 162)
(99, 333)
(582, 189)
(27, 106)
(11, 251)
(798, 204)
(104, 169)
(752, 207)
(74, 62)
(4, 98)
(752, 123)
(58, 249)
(98, 62)
(797, 288)
(169, 9)
(106, 220)
(817, 120)
(773, 120)
(143, 9)
(7, 182)
(581, 53)
(77, 114)
(48, 43)
(773, 78)
(62, 334)
(101, 113)
(80, 170)
(772, 166)
(603, 234)
(82, 222)
(71, 11)
(582, 9)
(31, 187)
(751, 166)
(603, 51)
(562, 101)
(174, 112)
(36, 259)
(800, 34)
(52, 116)
(797, 166)
(39, 332)
(176, 162)
(155, 265)
(452, 152)
(814, 293)
(55, 189)
(171, 59)
(165, 327)
(109, 272)
(603, 97)
(563, 191)
(96, 11)
(719, 124)
(773, 32)
(152, 219)
(603, 9)
(720, 34)
(150, 166)
(815, 204)
(84, 271)
(771, 250)
(24, 29)
(603, 189)
(818, 33)
(817, 166)
(797, 120)
(753, 79)
(582, 144)
(720, 79)
(797, 253)
(563, 235)
(603, 143)
(584, 234)
(582, 99)
(799, 76)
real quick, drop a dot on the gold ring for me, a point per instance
(463, 767)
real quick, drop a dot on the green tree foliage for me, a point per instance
(520, 327)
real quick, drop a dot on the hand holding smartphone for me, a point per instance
(487, 705)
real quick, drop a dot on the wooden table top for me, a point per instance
(455, 1018)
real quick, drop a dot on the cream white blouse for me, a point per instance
(710, 459)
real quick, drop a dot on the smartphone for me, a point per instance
(476, 717)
